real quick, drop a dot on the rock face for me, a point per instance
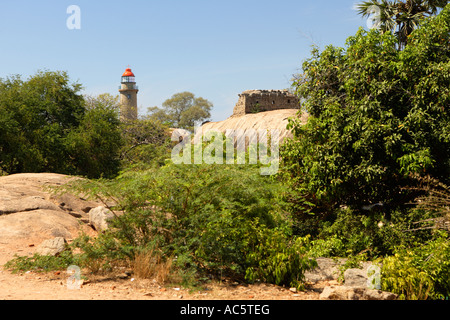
(31, 213)
(248, 125)
(327, 269)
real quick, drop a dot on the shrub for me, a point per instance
(421, 272)
(279, 260)
(40, 263)
(214, 220)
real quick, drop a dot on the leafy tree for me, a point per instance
(377, 116)
(95, 144)
(36, 115)
(104, 100)
(46, 125)
(182, 110)
(146, 143)
(400, 17)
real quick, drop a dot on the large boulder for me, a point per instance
(30, 212)
(250, 124)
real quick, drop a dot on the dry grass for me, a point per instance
(151, 265)
(436, 199)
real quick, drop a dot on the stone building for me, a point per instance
(255, 101)
(128, 96)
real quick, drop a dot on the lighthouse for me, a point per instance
(128, 96)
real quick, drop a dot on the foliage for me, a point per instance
(400, 17)
(47, 126)
(40, 263)
(35, 117)
(146, 143)
(421, 272)
(377, 116)
(94, 146)
(182, 110)
(214, 220)
(347, 233)
(436, 200)
(278, 260)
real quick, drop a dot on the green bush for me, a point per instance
(279, 260)
(215, 220)
(40, 263)
(348, 233)
(421, 272)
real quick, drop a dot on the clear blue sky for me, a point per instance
(214, 49)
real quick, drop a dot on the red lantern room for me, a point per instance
(128, 76)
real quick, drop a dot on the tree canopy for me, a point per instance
(400, 17)
(377, 116)
(46, 125)
(182, 110)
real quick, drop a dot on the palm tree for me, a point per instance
(400, 17)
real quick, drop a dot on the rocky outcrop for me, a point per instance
(355, 286)
(248, 125)
(52, 247)
(354, 293)
(31, 213)
(327, 269)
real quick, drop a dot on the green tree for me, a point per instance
(36, 115)
(94, 146)
(46, 125)
(146, 143)
(377, 116)
(400, 17)
(182, 110)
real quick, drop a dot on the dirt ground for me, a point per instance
(55, 286)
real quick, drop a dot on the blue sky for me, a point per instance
(214, 49)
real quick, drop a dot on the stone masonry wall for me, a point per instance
(254, 101)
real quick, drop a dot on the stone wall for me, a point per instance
(254, 101)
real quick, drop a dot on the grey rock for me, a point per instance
(327, 269)
(100, 218)
(354, 293)
(359, 277)
(52, 247)
(355, 277)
